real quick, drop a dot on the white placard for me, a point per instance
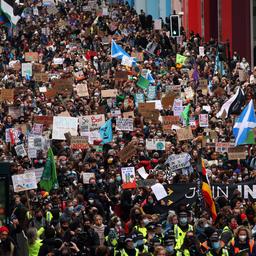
(159, 191)
(201, 51)
(124, 124)
(127, 61)
(23, 182)
(87, 176)
(142, 172)
(26, 69)
(91, 122)
(62, 125)
(155, 144)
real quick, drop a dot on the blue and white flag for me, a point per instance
(244, 123)
(146, 73)
(117, 51)
(106, 132)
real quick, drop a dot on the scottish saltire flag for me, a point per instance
(106, 132)
(147, 74)
(244, 124)
(117, 51)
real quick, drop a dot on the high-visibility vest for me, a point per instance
(142, 230)
(180, 235)
(48, 216)
(237, 250)
(112, 242)
(124, 253)
(224, 252)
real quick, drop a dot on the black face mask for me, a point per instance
(39, 218)
(64, 228)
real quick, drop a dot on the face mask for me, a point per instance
(184, 220)
(91, 201)
(216, 245)
(71, 208)
(111, 181)
(206, 225)
(146, 221)
(242, 238)
(233, 226)
(118, 178)
(239, 178)
(150, 201)
(140, 242)
(100, 180)
(119, 223)
(169, 248)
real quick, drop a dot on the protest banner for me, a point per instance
(124, 124)
(62, 125)
(129, 114)
(41, 77)
(91, 122)
(184, 134)
(87, 176)
(128, 177)
(26, 69)
(110, 93)
(82, 90)
(121, 75)
(45, 120)
(31, 56)
(79, 142)
(20, 150)
(146, 183)
(179, 161)
(177, 107)
(127, 152)
(23, 182)
(168, 121)
(203, 120)
(7, 95)
(144, 107)
(155, 144)
(236, 153)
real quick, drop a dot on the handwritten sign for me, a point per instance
(87, 176)
(82, 90)
(155, 144)
(7, 95)
(45, 120)
(109, 93)
(23, 182)
(184, 134)
(203, 120)
(168, 121)
(63, 84)
(31, 56)
(128, 177)
(79, 142)
(41, 77)
(91, 122)
(127, 152)
(237, 153)
(124, 124)
(121, 75)
(144, 107)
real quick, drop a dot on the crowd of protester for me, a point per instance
(101, 218)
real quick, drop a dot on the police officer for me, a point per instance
(129, 249)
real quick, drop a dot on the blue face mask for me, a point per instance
(215, 245)
(118, 178)
(140, 242)
(169, 248)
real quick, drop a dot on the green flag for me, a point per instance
(185, 114)
(49, 177)
(143, 83)
(180, 59)
(250, 140)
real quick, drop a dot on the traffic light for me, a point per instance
(175, 25)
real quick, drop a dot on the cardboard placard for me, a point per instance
(184, 134)
(51, 93)
(203, 83)
(38, 68)
(7, 95)
(82, 90)
(129, 114)
(31, 56)
(168, 121)
(110, 93)
(121, 75)
(78, 142)
(151, 115)
(41, 77)
(167, 101)
(236, 153)
(63, 84)
(87, 176)
(127, 152)
(91, 122)
(144, 107)
(223, 147)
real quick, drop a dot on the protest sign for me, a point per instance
(79, 142)
(23, 182)
(31, 56)
(189, 93)
(146, 183)
(179, 161)
(20, 150)
(158, 104)
(128, 177)
(177, 107)
(87, 176)
(184, 134)
(138, 56)
(129, 114)
(144, 107)
(41, 77)
(168, 121)
(26, 69)
(38, 68)
(236, 153)
(139, 98)
(82, 90)
(127, 61)
(11, 136)
(203, 120)
(91, 122)
(36, 142)
(63, 84)
(223, 147)
(121, 75)
(105, 11)
(32, 153)
(109, 93)
(201, 51)
(38, 172)
(45, 120)
(127, 152)
(151, 115)
(158, 24)
(115, 113)
(37, 129)
(92, 136)
(15, 112)
(155, 144)
(159, 191)
(168, 100)
(151, 92)
(142, 172)
(62, 125)
(124, 124)
(7, 95)
(175, 89)
(58, 61)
